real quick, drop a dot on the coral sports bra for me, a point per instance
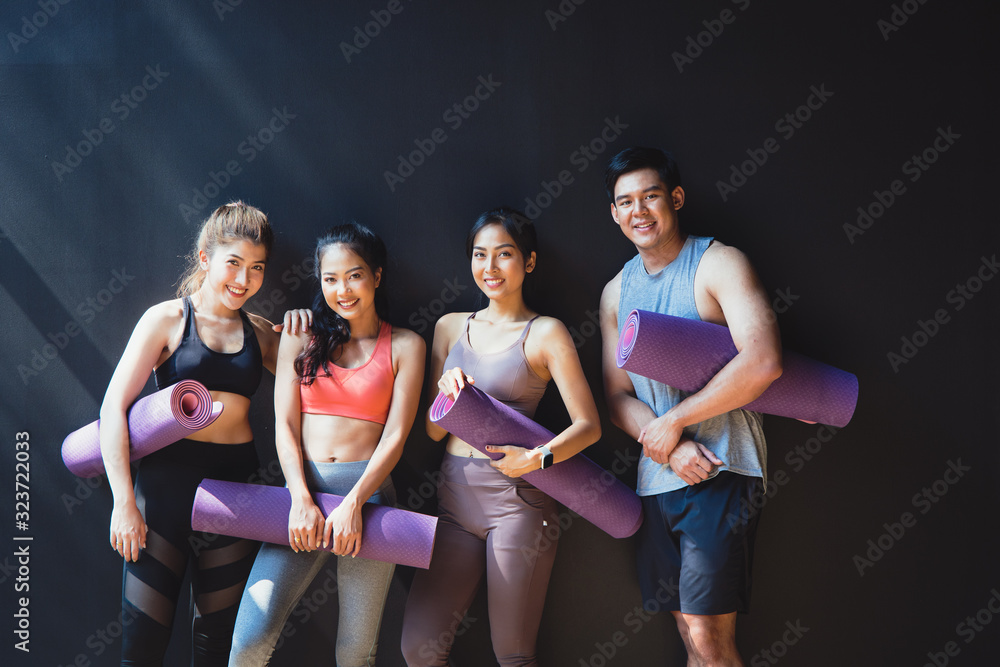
(236, 373)
(364, 392)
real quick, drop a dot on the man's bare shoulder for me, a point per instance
(723, 263)
(611, 292)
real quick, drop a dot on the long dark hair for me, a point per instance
(329, 330)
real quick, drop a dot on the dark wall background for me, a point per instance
(836, 556)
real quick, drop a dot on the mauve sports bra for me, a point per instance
(236, 373)
(505, 375)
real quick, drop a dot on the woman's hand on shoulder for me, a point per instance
(298, 320)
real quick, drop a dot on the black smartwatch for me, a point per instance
(548, 458)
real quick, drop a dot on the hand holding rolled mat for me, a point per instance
(154, 421)
(686, 354)
(578, 483)
(257, 512)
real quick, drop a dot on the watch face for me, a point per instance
(547, 460)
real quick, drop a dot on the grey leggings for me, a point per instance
(488, 523)
(280, 577)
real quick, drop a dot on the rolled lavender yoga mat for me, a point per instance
(686, 354)
(578, 483)
(154, 421)
(257, 512)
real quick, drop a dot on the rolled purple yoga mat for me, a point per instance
(257, 512)
(154, 421)
(578, 483)
(686, 354)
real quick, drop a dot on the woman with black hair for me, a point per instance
(345, 398)
(491, 519)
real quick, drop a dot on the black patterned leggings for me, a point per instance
(164, 489)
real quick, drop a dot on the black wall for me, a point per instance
(89, 241)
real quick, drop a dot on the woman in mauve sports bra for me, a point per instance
(204, 336)
(490, 518)
(345, 398)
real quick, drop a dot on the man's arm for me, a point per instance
(626, 411)
(727, 291)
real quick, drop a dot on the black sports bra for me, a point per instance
(237, 372)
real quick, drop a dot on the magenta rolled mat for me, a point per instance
(154, 421)
(578, 483)
(686, 354)
(257, 512)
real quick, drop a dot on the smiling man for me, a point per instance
(701, 454)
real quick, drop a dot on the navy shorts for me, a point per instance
(694, 550)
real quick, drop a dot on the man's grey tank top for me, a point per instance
(736, 437)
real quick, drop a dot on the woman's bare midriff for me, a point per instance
(233, 425)
(459, 447)
(333, 438)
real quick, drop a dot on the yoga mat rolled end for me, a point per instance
(440, 407)
(638, 524)
(686, 354)
(154, 421)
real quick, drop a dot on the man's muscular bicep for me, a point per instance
(728, 289)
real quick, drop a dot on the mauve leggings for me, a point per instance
(488, 522)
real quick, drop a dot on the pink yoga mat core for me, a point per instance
(154, 421)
